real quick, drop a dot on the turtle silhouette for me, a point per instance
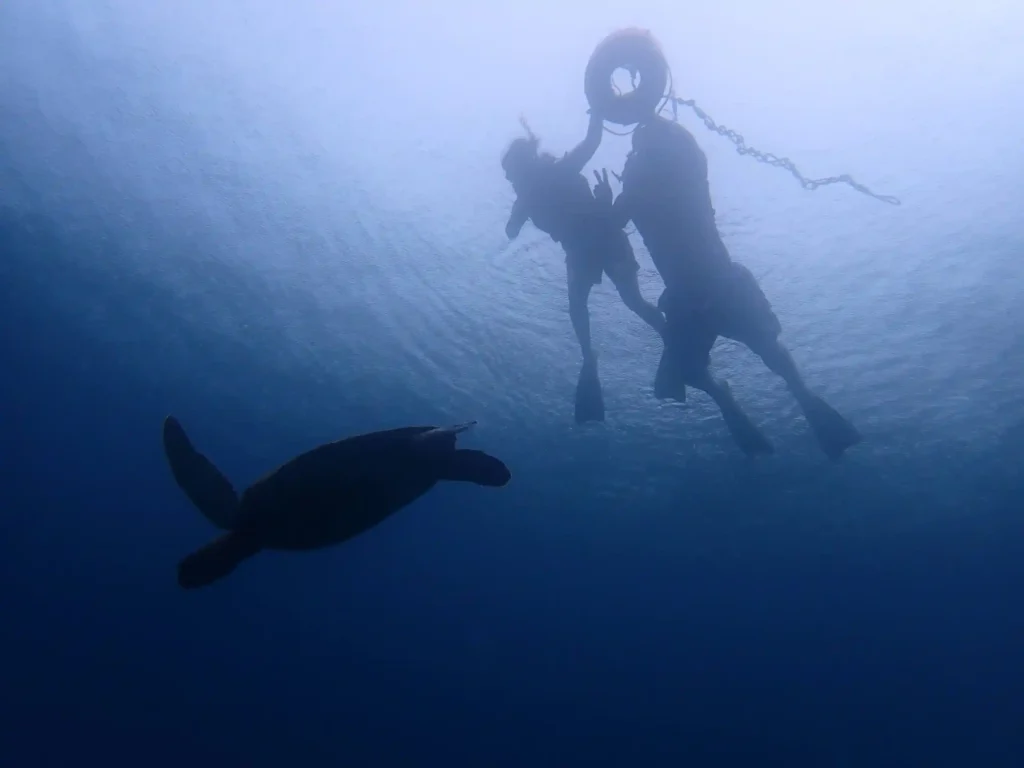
(320, 498)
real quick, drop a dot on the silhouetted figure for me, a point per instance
(557, 198)
(665, 193)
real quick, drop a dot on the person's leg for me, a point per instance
(745, 315)
(748, 318)
(579, 294)
(779, 361)
(670, 378)
(687, 358)
(627, 283)
(832, 430)
(589, 398)
(748, 437)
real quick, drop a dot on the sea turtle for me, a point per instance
(320, 498)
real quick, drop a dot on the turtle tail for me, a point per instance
(196, 475)
(216, 560)
(475, 467)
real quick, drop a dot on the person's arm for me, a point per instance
(516, 219)
(575, 159)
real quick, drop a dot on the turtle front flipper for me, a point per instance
(445, 433)
(196, 475)
(437, 439)
(475, 467)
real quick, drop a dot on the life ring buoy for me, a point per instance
(636, 50)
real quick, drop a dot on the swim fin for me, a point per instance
(589, 399)
(834, 433)
(748, 437)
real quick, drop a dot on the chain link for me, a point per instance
(768, 157)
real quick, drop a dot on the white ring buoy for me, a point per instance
(636, 50)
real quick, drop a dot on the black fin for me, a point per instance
(589, 399)
(196, 475)
(471, 466)
(834, 432)
(748, 437)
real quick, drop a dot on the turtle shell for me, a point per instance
(341, 489)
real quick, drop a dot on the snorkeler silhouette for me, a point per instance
(557, 198)
(665, 193)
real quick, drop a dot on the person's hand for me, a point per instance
(603, 189)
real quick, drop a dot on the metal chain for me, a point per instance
(769, 158)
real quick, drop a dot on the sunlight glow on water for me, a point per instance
(284, 221)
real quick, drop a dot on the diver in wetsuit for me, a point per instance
(557, 198)
(665, 193)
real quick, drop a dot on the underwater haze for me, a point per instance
(284, 224)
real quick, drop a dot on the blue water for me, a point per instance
(283, 223)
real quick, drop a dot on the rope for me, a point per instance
(741, 144)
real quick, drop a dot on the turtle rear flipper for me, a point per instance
(216, 560)
(196, 475)
(475, 467)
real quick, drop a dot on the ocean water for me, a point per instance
(283, 223)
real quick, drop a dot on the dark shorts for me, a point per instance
(587, 259)
(734, 307)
